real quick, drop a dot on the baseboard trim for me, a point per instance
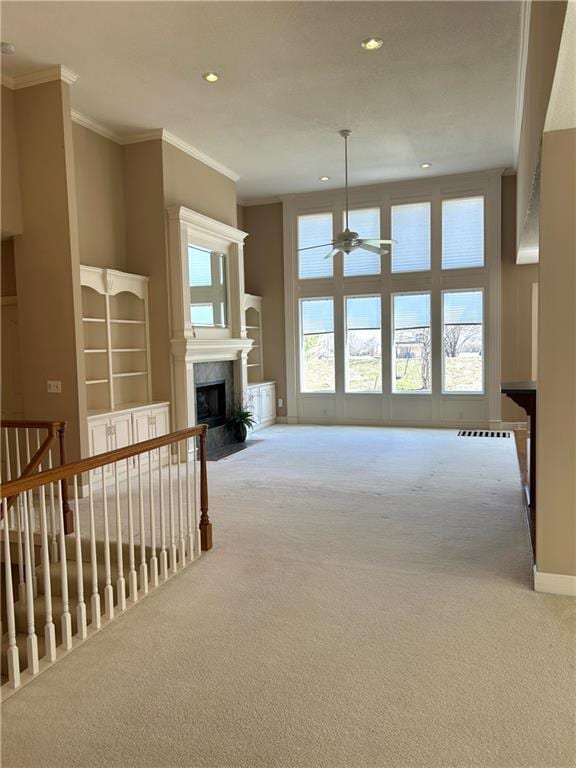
(554, 583)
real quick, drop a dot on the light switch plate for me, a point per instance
(280, 402)
(54, 387)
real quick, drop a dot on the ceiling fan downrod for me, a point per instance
(345, 132)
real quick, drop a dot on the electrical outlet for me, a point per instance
(54, 387)
(280, 403)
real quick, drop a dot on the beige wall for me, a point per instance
(100, 199)
(10, 193)
(556, 497)
(546, 21)
(264, 271)
(189, 182)
(517, 282)
(47, 260)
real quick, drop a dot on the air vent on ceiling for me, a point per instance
(481, 433)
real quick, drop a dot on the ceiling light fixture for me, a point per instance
(211, 77)
(372, 43)
(425, 165)
(324, 178)
(8, 49)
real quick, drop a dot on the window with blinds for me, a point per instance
(411, 230)
(315, 230)
(363, 344)
(412, 347)
(317, 365)
(366, 222)
(462, 341)
(463, 233)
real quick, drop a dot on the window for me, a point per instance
(317, 345)
(411, 364)
(315, 230)
(363, 344)
(411, 230)
(462, 341)
(361, 262)
(463, 233)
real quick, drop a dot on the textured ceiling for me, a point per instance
(442, 88)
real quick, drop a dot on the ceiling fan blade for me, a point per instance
(366, 246)
(311, 247)
(332, 253)
(379, 242)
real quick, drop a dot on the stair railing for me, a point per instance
(140, 516)
(29, 446)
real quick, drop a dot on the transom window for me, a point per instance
(315, 234)
(366, 222)
(463, 233)
(411, 230)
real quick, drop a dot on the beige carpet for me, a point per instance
(367, 603)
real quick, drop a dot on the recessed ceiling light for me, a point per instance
(211, 77)
(372, 43)
(324, 178)
(425, 165)
(8, 49)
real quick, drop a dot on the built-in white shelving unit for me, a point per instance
(253, 320)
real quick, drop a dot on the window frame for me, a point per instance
(346, 331)
(463, 392)
(301, 335)
(428, 292)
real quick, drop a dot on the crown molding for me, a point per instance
(525, 11)
(40, 77)
(205, 224)
(93, 125)
(259, 201)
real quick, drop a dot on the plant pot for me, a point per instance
(240, 433)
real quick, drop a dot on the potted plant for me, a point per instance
(240, 421)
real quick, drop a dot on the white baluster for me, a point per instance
(49, 629)
(31, 639)
(143, 567)
(173, 557)
(31, 519)
(120, 581)
(95, 599)
(181, 542)
(12, 511)
(19, 523)
(197, 547)
(12, 655)
(163, 552)
(53, 526)
(66, 617)
(132, 576)
(108, 591)
(189, 524)
(153, 558)
(81, 607)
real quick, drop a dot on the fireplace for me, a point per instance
(211, 403)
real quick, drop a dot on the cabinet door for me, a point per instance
(256, 405)
(141, 426)
(160, 421)
(121, 430)
(98, 436)
(271, 403)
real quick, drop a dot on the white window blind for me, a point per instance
(411, 311)
(362, 312)
(317, 316)
(463, 233)
(411, 230)
(366, 222)
(315, 229)
(463, 308)
(199, 266)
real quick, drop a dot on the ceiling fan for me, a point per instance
(348, 241)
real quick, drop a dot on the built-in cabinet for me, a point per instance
(253, 320)
(262, 403)
(117, 361)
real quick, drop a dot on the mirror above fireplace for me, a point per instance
(207, 281)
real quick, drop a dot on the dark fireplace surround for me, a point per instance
(214, 390)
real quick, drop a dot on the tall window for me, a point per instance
(463, 341)
(314, 230)
(463, 233)
(317, 345)
(363, 344)
(366, 222)
(412, 343)
(411, 230)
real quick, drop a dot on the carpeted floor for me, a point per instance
(367, 604)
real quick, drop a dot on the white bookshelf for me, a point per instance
(253, 323)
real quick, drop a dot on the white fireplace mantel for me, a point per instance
(194, 344)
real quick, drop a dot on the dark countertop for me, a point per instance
(518, 387)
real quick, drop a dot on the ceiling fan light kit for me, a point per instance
(348, 241)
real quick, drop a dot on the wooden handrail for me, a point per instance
(102, 459)
(55, 430)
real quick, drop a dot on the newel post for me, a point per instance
(67, 516)
(205, 524)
